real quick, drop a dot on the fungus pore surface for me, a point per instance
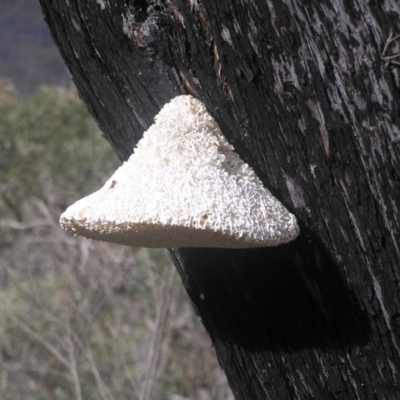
(184, 186)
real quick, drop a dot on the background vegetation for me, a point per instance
(81, 319)
(28, 55)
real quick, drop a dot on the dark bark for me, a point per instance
(301, 90)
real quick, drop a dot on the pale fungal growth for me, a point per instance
(184, 186)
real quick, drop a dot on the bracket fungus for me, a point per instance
(184, 186)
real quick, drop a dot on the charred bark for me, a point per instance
(300, 88)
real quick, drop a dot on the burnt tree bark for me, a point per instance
(300, 88)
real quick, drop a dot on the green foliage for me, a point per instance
(47, 137)
(82, 319)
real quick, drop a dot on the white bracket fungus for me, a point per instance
(184, 186)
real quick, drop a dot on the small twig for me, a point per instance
(28, 330)
(99, 381)
(390, 59)
(21, 226)
(132, 381)
(45, 211)
(87, 350)
(73, 365)
(155, 349)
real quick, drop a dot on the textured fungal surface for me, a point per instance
(184, 186)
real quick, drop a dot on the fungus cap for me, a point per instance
(184, 186)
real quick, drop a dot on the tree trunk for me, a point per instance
(302, 92)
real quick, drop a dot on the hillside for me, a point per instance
(28, 55)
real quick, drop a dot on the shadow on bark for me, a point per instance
(299, 299)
